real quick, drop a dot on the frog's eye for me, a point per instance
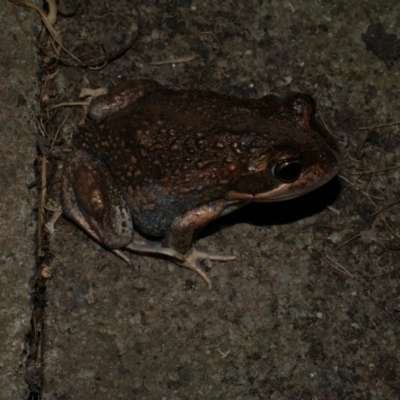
(287, 170)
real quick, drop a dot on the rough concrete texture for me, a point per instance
(19, 86)
(310, 308)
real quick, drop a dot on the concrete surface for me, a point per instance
(18, 99)
(310, 309)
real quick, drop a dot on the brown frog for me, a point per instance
(168, 162)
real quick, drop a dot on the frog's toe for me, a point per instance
(120, 254)
(193, 259)
(153, 248)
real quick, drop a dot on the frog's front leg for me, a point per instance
(180, 235)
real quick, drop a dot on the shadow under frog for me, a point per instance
(167, 162)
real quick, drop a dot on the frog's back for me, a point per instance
(183, 136)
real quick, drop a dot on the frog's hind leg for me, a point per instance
(91, 198)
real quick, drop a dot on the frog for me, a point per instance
(164, 163)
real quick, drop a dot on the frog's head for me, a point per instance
(292, 158)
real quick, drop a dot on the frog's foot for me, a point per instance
(193, 259)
